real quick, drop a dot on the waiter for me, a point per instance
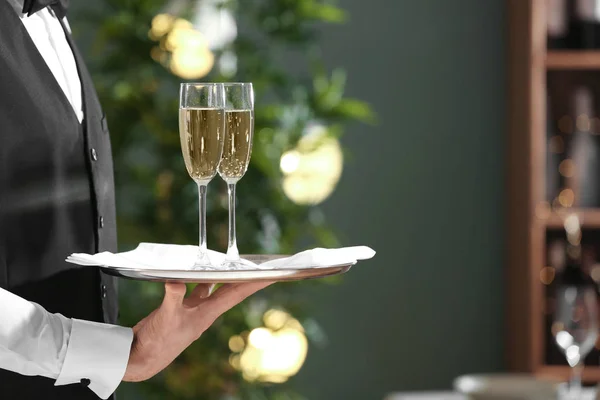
(57, 198)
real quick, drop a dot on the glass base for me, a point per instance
(204, 266)
(203, 262)
(236, 265)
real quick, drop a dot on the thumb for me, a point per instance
(174, 294)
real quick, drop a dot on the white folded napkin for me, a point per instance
(181, 257)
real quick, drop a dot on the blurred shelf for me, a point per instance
(529, 64)
(573, 59)
(588, 217)
(563, 373)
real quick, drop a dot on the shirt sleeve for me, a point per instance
(98, 352)
(36, 342)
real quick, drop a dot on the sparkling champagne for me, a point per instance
(201, 133)
(239, 127)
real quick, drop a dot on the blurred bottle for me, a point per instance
(581, 166)
(585, 24)
(556, 258)
(554, 153)
(558, 24)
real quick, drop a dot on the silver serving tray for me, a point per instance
(214, 276)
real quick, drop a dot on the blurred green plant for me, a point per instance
(157, 201)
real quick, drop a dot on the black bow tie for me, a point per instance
(58, 6)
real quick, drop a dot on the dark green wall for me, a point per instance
(425, 189)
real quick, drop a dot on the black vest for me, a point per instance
(56, 196)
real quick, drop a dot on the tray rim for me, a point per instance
(295, 274)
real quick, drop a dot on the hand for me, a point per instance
(161, 336)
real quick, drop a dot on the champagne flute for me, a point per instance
(239, 131)
(202, 133)
(575, 324)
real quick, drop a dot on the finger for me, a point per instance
(174, 294)
(230, 295)
(201, 291)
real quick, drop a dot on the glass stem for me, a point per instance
(575, 381)
(202, 250)
(232, 251)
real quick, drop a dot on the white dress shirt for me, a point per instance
(32, 340)
(49, 38)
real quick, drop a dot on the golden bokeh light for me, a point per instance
(566, 198)
(259, 338)
(289, 162)
(547, 275)
(250, 362)
(313, 169)
(583, 123)
(183, 34)
(288, 353)
(234, 361)
(249, 377)
(281, 355)
(572, 224)
(275, 319)
(294, 324)
(572, 227)
(236, 344)
(158, 54)
(161, 25)
(191, 63)
(190, 55)
(567, 168)
(273, 353)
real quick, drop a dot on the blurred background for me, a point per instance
(381, 123)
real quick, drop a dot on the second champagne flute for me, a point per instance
(239, 131)
(201, 132)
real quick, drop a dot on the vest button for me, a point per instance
(104, 292)
(85, 382)
(94, 154)
(101, 222)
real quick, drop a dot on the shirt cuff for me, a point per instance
(98, 353)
